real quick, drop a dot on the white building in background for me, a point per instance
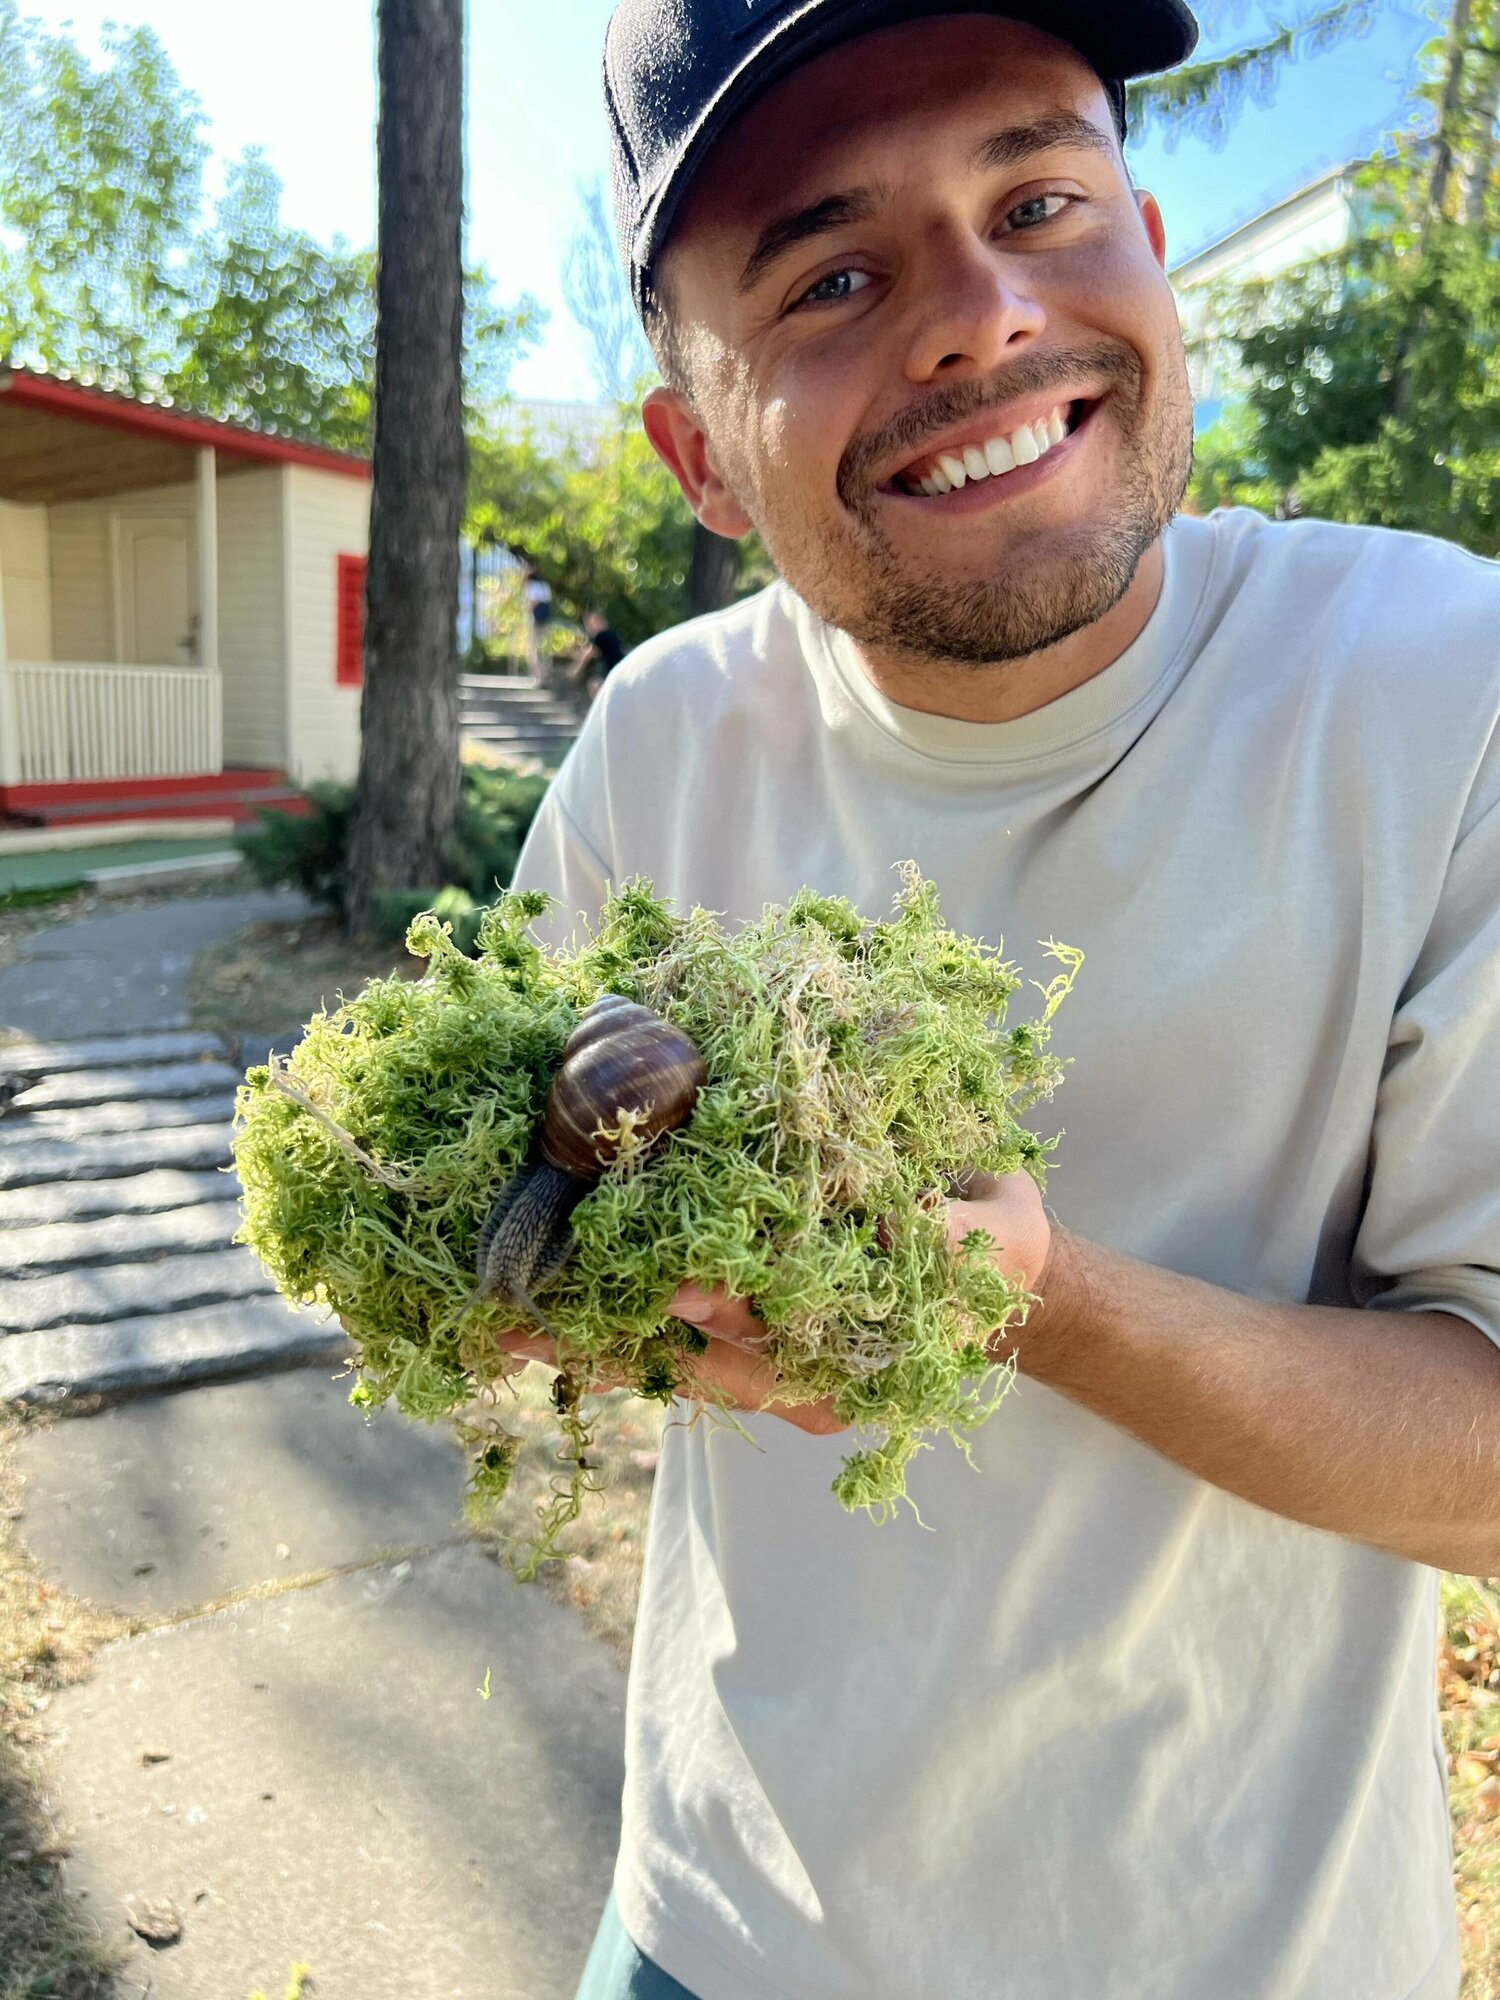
(558, 426)
(1315, 221)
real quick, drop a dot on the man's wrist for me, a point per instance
(1055, 1328)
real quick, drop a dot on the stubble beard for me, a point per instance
(1044, 586)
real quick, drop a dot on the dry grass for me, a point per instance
(1469, 1690)
(47, 1641)
(270, 977)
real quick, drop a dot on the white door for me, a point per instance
(157, 625)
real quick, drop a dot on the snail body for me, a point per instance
(624, 1072)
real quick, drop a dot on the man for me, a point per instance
(598, 659)
(1144, 1706)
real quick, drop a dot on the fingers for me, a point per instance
(715, 1313)
(733, 1370)
(734, 1374)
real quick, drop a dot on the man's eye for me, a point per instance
(1039, 208)
(833, 289)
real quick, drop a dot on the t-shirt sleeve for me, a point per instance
(1429, 1238)
(558, 855)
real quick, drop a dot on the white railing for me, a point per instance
(67, 721)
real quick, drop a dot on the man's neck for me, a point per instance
(1016, 687)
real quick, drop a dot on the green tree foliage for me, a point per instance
(605, 523)
(1372, 376)
(110, 271)
(275, 328)
(100, 179)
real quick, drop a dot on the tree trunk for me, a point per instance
(1449, 109)
(1480, 163)
(407, 798)
(716, 567)
(1439, 173)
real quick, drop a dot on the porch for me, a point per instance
(167, 596)
(104, 536)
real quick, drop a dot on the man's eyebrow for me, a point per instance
(1041, 135)
(834, 211)
(837, 211)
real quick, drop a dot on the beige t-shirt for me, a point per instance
(1098, 1731)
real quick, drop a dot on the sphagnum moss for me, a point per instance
(855, 1069)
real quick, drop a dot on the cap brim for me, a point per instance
(1121, 38)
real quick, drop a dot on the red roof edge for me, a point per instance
(121, 413)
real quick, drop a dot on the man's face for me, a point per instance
(917, 260)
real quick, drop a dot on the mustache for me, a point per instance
(904, 436)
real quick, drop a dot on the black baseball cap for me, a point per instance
(677, 72)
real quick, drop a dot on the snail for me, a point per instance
(623, 1069)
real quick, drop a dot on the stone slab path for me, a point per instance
(118, 1267)
(310, 1771)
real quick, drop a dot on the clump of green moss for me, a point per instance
(855, 1069)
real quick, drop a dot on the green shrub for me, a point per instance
(304, 852)
(310, 852)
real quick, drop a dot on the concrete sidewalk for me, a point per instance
(298, 1758)
(126, 972)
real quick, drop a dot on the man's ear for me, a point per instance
(677, 439)
(1156, 229)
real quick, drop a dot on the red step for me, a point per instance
(231, 795)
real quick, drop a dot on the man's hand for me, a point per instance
(734, 1370)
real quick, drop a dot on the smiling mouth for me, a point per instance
(991, 458)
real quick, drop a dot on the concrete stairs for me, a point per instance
(516, 718)
(118, 1269)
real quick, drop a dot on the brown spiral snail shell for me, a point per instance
(622, 1067)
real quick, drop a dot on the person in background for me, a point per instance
(539, 618)
(597, 660)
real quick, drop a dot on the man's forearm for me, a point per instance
(1384, 1427)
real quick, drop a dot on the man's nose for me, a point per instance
(971, 308)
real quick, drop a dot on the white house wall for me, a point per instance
(252, 625)
(26, 590)
(83, 603)
(327, 515)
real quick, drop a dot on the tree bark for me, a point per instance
(1480, 163)
(407, 797)
(716, 567)
(1449, 108)
(1439, 173)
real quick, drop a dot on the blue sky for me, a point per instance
(296, 77)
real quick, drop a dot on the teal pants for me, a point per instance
(617, 1971)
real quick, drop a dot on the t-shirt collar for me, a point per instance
(1161, 648)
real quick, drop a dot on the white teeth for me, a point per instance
(998, 455)
(995, 456)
